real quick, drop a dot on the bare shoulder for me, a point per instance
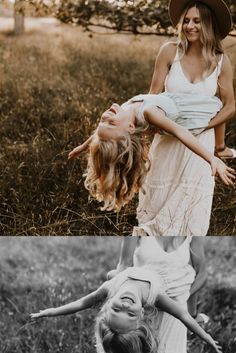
(226, 65)
(167, 51)
(197, 243)
(197, 247)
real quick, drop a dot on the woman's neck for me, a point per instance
(169, 243)
(194, 49)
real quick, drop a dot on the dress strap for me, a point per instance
(221, 61)
(219, 65)
(176, 57)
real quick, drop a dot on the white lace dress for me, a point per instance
(177, 275)
(178, 190)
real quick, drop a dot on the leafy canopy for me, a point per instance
(136, 16)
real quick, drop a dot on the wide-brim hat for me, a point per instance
(218, 7)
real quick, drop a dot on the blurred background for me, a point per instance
(37, 273)
(62, 63)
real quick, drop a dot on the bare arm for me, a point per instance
(198, 261)
(77, 150)
(126, 255)
(157, 118)
(226, 93)
(171, 307)
(162, 65)
(78, 305)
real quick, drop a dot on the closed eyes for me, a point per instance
(117, 310)
(195, 20)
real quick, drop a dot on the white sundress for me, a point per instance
(178, 276)
(176, 198)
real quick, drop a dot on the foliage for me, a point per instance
(122, 15)
(35, 8)
(136, 16)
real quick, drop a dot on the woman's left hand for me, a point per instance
(215, 344)
(217, 347)
(226, 174)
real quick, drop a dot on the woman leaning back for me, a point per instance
(178, 189)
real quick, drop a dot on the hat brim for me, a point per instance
(218, 7)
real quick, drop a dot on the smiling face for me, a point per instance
(192, 25)
(124, 311)
(115, 122)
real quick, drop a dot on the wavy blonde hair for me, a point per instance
(140, 340)
(210, 36)
(116, 169)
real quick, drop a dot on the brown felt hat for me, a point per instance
(218, 7)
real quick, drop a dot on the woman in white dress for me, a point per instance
(130, 316)
(180, 262)
(176, 197)
(179, 186)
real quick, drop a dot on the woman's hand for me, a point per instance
(217, 347)
(75, 152)
(214, 344)
(111, 274)
(226, 174)
(42, 313)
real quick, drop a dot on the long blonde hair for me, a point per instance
(210, 37)
(116, 169)
(139, 340)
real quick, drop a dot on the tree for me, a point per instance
(136, 16)
(19, 15)
(33, 8)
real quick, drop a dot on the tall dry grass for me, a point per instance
(223, 219)
(54, 84)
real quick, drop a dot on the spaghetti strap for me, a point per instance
(220, 63)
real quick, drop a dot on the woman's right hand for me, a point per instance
(226, 174)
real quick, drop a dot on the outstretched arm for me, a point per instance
(78, 305)
(157, 118)
(171, 307)
(77, 150)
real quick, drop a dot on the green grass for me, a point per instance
(37, 273)
(54, 85)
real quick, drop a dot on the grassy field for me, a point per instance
(54, 84)
(37, 273)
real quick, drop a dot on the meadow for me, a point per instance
(54, 84)
(38, 273)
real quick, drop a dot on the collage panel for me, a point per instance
(150, 105)
(117, 294)
(117, 158)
